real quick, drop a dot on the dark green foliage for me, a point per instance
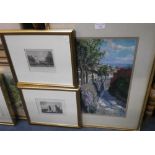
(119, 88)
(13, 91)
(89, 56)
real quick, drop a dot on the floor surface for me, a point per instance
(23, 125)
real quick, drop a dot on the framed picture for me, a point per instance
(7, 116)
(108, 82)
(12, 90)
(53, 106)
(47, 57)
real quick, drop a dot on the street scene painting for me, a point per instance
(50, 106)
(40, 59)
(105, 69)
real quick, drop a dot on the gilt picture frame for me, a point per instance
(116, 61)
(45, 55)
(57, 107)
(7, 114)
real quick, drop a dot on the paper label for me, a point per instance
(99, 26)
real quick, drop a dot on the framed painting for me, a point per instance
(12, 90)
(106, 68)
(45, 56)
(51, 106)
(7, 116)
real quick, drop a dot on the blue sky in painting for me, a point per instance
(119, 51)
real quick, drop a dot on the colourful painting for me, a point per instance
(105, 69)
(12, 90)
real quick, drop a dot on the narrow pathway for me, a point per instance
(110, 104)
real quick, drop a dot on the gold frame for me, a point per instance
(69, 32)
(32, 87)
(147, 94)
(8, 103)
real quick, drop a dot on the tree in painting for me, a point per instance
(105, 67)
(14, 93)
(88, 58)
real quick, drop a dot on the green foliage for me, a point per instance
(89, 56)
(103, 70)
(89, 53)
(13, 91)
(119, 88)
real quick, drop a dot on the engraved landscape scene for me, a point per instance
(51, 107)
(40, 60)
(105, 69)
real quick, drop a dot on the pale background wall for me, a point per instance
(9, 26)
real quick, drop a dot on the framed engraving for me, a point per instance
(53, 106)
(44, 56)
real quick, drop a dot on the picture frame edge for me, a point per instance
(147, 93)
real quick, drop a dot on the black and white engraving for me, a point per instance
(51, 107)
(40, 59)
